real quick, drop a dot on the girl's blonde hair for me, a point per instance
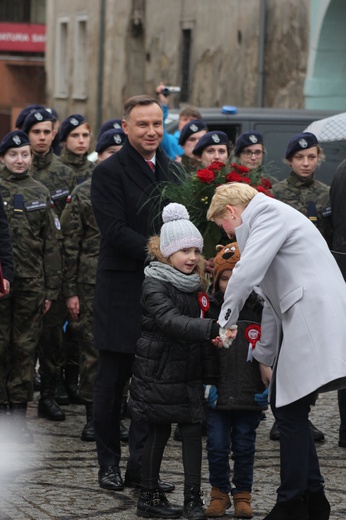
(233, 194)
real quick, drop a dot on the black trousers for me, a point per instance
(114, 369)
(299, 466)
(191, 434)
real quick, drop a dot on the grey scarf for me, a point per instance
(184, 282)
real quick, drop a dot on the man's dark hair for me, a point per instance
(134, 101)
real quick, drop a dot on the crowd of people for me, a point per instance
(103, 288)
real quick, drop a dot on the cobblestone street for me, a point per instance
(56, 477)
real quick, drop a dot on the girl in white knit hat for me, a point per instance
(167, 384)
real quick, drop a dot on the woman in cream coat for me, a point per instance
(303, 328)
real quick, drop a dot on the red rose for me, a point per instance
(205, 175)
(266, 183)
(216, 166)
(240, 169)
(263, 190)
(235, 177)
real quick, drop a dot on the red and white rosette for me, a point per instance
(252, 334)
(204, 303)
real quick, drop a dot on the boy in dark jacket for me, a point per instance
(233, 421)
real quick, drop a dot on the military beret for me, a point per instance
(194, 126)
(301, 141)
(110, 138)
(15, 139)
(69, 124)
(215, 137)
(25, 112)
(53, 112)
(247, 139)
(112, 124)
(36, 116)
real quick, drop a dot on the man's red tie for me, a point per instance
(151, 165)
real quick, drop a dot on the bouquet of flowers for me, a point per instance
(195, 192)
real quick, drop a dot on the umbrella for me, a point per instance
(329, 129)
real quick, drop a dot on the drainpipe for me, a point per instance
(99, 98)
(261, 52)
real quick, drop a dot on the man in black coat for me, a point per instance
(122, 195)
(6, 258)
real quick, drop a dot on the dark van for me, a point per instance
(277, 126)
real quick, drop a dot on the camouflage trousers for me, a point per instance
(82, 330)
(21, 314)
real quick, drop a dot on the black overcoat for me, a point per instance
(125, 207)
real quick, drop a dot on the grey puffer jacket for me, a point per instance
(166, 384)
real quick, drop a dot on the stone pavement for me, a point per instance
(56, 477)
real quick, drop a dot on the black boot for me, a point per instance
(88, 432)
(47, 406)
(60, 395)
(193, 504)
(318, 506)
(153, 503)
(20, 431)
(292, 510)
(71, 384)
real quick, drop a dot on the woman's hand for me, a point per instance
(266, 374)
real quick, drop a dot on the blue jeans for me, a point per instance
(232, 430)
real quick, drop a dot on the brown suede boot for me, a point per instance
(242, 505)
(219, 502)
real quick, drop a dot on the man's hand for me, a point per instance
(72, 304)
(47, 306)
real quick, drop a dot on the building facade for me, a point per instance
(22, 48)
(235, 52)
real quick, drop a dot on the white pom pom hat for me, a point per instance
(177, 231)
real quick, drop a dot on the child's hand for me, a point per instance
(262, 399)
(210, 394)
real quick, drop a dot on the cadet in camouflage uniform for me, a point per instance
(249, 151)
(75, 134)
(311, 197)
(81, 252)
(34, 228)
(60, 181)
(301, 190)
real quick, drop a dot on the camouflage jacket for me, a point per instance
(81, 166)
(34, 229)
(310, 197)
(189, 164)
(58, 178)
(81, 240)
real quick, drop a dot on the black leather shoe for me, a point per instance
(316, 433)
(133, 480)
(110, 478)
(274, 434)
(88, 432)
(49, 409)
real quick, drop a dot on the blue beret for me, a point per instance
(15, 139)
(247, 139)
(210, 138)
(194, 126)
(110, 125)
(36, 116)
(69, 124)
(110, 138)
(25, 112)
(301, 141)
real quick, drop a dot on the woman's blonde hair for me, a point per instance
(233, 194)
